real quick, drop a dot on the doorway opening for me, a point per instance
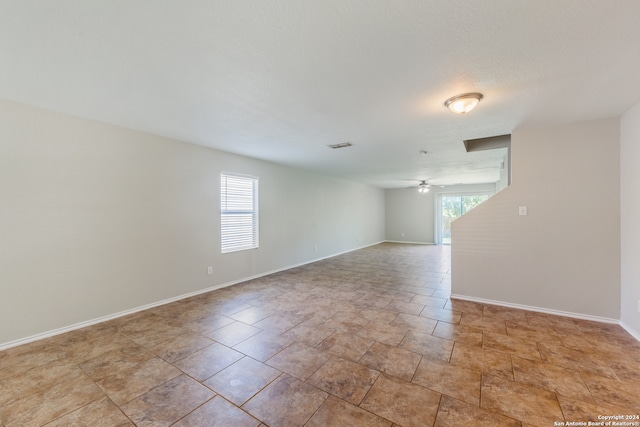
(452, 207)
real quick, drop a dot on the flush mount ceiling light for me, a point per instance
(464, 103)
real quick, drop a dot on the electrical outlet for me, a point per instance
(315, 248)
(639, 306)
(522, 211)
(209, 270)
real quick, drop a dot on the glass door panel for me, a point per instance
(453, 207)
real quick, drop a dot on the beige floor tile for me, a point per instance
(359, 314)
(206, 323)
(625, 368)
(392, 360)
(506, 344)
(49, 404)
(485, 323)
(345, 379)
(415, 323)
(346, 346)
(556, 323)
(84, 346)
(401, 296)
(489, 362)
(462, 306)
(28, 356)
(383, 333)
(168, 402)
(428, 345)
(278, 323)
(442, 293)
(451, 380)
(308, 333)
(252, 315)
(553, 378)
(378, 315)
(580, 411)
(101, 413)
(459, 333)
(430, 301)
(181, 346)
(299, 360)
(208, 361)
(111, 362)
(230, 306)
(218, 413)
(504, 313)
(625, 394)
(127, 384)
(38, 378)
(340, 324)
(528, 404)
(263, 345)
(149, 330)
(337, 412)
(233, 333)
(286, 402)
(580, 360)
(442, 314)
(401, 402)
(532, 333)
(404, 307)
(242, 380)
(456, 413)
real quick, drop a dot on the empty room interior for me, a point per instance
(330, 213)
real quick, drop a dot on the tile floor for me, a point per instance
(369, 338)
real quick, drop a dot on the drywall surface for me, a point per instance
(504, 174)
(630, 218)
(97, 219)
(565, 254)
(410, 216)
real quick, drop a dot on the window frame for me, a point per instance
(227, 243)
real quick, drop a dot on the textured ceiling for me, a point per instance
(279, 80)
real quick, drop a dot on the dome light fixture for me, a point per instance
(461, 104)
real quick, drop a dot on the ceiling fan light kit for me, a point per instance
(461, 104)
(423, 187)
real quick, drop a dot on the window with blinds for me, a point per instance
(238, 212)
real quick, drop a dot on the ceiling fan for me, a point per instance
(423, 187)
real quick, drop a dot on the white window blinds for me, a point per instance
(238, 212)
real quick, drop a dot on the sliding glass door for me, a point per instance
(452, 207)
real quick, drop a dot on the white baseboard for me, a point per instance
(538, 309)
(58, 331)
(631, 331)
(409, 243)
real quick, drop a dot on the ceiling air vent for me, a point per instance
(341, 145)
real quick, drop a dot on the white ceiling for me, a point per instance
(279, 80)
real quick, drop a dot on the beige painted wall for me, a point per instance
(97, 219)
(630, 218)
(410, 215)
(565, 254)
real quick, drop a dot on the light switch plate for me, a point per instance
(522, 211)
